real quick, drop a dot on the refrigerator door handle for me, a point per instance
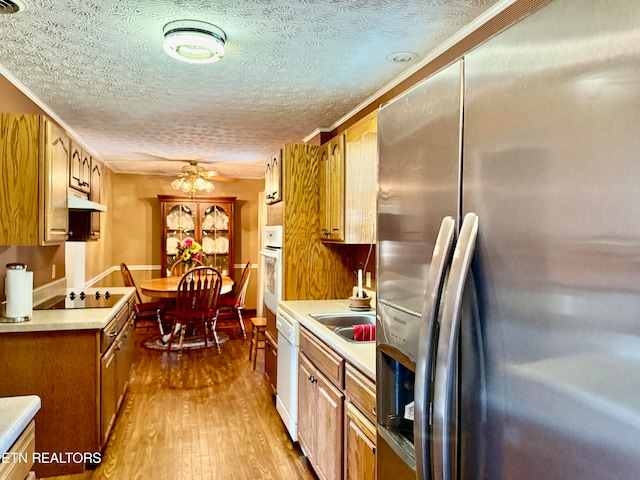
(447, 351)
(426, 346)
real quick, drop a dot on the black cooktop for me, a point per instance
(94, 299)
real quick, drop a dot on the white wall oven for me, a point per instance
(272, 266)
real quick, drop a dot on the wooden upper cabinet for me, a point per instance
(273, 179)
(361, 180)
(80, 169)
(33, 180)
(94, 196)
(332, 189)
(348, 184)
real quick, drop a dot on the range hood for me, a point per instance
(76, 202)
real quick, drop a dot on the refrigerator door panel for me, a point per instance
(551, 151)
(419, 160)
(419, 156)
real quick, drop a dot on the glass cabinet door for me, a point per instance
(216, 238)
(180, 222)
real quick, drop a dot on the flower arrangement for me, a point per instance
(188, 251)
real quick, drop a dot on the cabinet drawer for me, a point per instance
(361, 391)
(325, 359)
(110, 332)
(21, 461)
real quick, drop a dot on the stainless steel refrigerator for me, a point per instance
(509, 256)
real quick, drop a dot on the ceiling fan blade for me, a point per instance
(216, 177)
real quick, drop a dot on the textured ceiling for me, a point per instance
(291, 66)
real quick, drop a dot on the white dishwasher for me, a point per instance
(287, 384)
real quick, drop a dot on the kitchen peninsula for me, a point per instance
(78, 362)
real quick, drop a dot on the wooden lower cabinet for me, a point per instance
(20, 456)
(320, 417)
(115, 367)
(359, 426)
(359, 445)
(271, 362)
(336, 413)
(80, 376)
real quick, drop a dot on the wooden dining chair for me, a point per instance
(146, 314)
(179, 268)
(230, 306)
(196, 304)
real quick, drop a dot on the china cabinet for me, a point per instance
(33, 180)
(206, 220)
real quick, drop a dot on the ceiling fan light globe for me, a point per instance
(210, 187)
(176, 184)
(200, 184)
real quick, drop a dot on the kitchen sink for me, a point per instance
(335, 320)
(342, 323)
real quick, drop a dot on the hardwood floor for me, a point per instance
(204, 416)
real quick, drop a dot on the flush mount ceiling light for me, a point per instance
(194, 41)
(9, 7)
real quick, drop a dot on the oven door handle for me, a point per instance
(270, 253)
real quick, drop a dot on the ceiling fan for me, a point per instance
(195, 178)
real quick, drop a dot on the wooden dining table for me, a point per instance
(167, 287)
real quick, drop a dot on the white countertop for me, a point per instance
(72, 319)
(15, 415)
(361, 355)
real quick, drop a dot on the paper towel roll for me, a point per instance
(19, 293)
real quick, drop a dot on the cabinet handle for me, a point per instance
(113, 334)
(374, 411)
(125, 335)
(118, 347)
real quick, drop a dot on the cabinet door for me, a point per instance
(124, 360)
(271, 362)
(94, 196)
(331, 181)
(273, 179)
(217, 237)
(179, 224)
(56, 167)
(359, 445)
(323, 192)
(85, 172)
(108, 400)
(329, 429)
(306, 407)
(75, 167)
